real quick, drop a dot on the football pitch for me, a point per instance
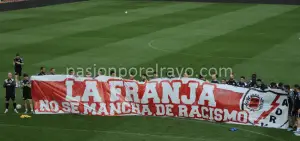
(248, 38)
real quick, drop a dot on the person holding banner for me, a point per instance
(52, 71)
(113, 74)
(131, 77)
(186, 75)
(297, 108)
(144, 78)
(88, 75)
(26, 86)
(214, 79)
(291, 100)
(242, 82)
(71, 72)
(42, 71)
(232, 81)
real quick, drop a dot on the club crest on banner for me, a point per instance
(254, 102)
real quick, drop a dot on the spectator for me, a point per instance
(113, 74)
(170, 75)
(71, 72)
(52, 71)
(42, 71)
(297, 108)
(223, 81)
(280, 86)
(260, 84)
(291, 114)
(155, 75)
(186, 75)
(273, 85)
(252, 82)
(202, 77)
(214, 79)
(131, 76)
(100, 72)
(231, 80)
(144, 78)
(242, 82)
(88, 74)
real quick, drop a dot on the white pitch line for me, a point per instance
(228, 126)
(150, 44)
(102, 131)
(143, 134)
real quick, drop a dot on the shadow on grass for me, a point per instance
(289, 2)
(15, 5)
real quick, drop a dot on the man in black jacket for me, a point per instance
(242, 82)
(10, 86)
(214, 79)
(52, 71)
(231, 80)
(252, 82)
(42, 71)
(297, 108)
(260, 85)
(26, 86)
(291, 114)
(18, 64)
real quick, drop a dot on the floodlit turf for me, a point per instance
(247, 37)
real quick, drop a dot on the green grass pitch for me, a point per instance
(247, 37)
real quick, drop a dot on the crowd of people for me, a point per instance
(10, 85)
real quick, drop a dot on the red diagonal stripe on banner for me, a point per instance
(267, 113)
